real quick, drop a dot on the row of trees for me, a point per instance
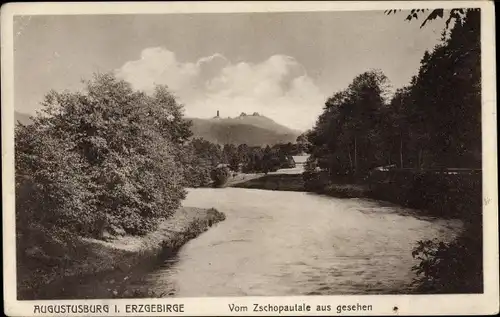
(435, 121)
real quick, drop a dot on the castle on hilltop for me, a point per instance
(255, 114)
(243, 114)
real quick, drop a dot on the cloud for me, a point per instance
(158, 66)
(278, 87)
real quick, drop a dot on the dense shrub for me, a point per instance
(196, 175)
(311, 181)
(315, 181)
(220, 175)
(454, 267)
(441, 194)
(100, 159)
(199, 157)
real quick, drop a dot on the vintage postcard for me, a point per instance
(249, 158)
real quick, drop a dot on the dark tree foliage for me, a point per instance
(253, 161)
(448, 93)
(284, 152)
(199, 157)
(454, 267)
(303, 144)
(347, 137)
(454, 14)
(220, 176)
(271, 160)
(434, 122)
(231, 157)
(446, 130)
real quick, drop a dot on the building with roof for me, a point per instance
(300, 159)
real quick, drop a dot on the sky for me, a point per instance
(282, 65)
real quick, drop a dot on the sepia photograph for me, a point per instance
(265, 153)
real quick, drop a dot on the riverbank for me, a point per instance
(282, 182)
(242, 178)
(295, 182)
(86, 268)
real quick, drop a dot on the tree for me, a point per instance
(243, 151)
(447, 93)
(303, 143)
(346, 138)
(231, 156)
(209, 152)
(395, 126)
(198, 159)
(169, 116)
(270, 160)
(254, 162)
(220, 175)
(283, 152)
(102, 158)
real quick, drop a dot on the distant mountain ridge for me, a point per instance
(253, 130)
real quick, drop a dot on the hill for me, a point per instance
(251, 130)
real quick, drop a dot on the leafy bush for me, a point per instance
(99, 159)
(440, 194)
(199, 157)
(315, 181)
(220, 175)
(454, 267)
(196, 171)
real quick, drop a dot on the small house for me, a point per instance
(300, 160)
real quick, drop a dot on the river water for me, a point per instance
(295, 243)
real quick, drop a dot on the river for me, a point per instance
(276, 243)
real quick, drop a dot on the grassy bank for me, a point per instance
(88, 268)
(239, 178)
(295, 182)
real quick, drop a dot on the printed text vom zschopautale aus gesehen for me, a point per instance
(272, 308)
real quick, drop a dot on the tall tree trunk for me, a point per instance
(420, 158)
(350, 158)
(355, 156)
(401, 150)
